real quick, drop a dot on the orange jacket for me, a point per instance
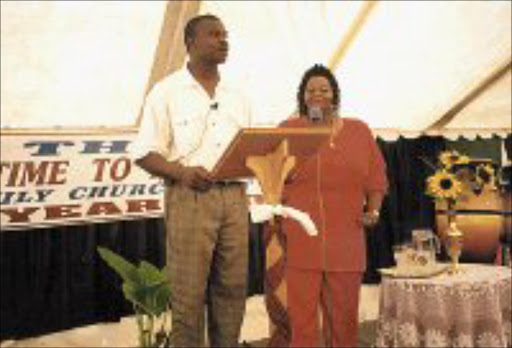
(331, 187)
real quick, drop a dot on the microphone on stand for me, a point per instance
(315, 114)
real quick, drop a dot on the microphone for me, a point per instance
(214, 106)
(315, 114)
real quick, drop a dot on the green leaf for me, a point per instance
(150, 273)
(152, 299)
(162, 298)
(132, 293)
(145, 286)
(124, 268)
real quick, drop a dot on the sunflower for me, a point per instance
(444, 185)
(450, 158)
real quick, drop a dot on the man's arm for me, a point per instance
(157, 165)
(197, 178)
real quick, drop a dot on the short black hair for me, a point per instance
(317, 70)
(190, 27)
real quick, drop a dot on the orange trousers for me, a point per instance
(337, 293)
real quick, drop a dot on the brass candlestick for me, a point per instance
(455, 239)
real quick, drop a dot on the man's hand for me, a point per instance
(197, 178)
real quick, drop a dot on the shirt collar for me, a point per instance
(189, 80)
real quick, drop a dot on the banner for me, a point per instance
(54, 179)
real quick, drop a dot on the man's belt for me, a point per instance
(224, 183)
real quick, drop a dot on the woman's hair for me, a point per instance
(317, 70)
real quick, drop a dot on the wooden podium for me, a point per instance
(269, 154)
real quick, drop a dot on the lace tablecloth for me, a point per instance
(468, 309)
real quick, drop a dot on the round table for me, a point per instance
(468, 309)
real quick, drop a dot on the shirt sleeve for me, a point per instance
(377, 177)
(154, 133)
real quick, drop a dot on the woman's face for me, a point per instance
(318, 93)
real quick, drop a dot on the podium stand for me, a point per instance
(269, 154)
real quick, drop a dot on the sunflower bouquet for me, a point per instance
(455, 178)
(457, 174)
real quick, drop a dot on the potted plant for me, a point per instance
(147, 288)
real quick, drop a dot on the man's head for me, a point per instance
(206, 39)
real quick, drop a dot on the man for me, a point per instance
(189, 119)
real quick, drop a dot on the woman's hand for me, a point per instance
(370, 218)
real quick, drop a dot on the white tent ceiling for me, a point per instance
(410, 66)
(74, 63)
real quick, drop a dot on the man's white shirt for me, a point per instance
(181, 122)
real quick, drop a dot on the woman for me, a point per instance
(341, 188)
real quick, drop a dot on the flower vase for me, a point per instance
(454, 241)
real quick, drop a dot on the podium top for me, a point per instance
(302, 143)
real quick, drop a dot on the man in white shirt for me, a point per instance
(189, 119)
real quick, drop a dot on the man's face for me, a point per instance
(210, 42)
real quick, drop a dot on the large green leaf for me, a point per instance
(150, 273)
(162, 298)
(124, 268)
(152, 299)
(145, 286)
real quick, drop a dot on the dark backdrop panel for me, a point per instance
(53, 279)
(478, 147)
(405, 207)
(256, 271)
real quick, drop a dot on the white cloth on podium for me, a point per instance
(264, 212)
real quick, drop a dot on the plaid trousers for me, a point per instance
(207, 255)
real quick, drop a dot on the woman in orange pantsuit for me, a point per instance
(341, 188)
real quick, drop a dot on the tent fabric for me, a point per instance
(407, 66)
(83, 64)
(75, 64)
